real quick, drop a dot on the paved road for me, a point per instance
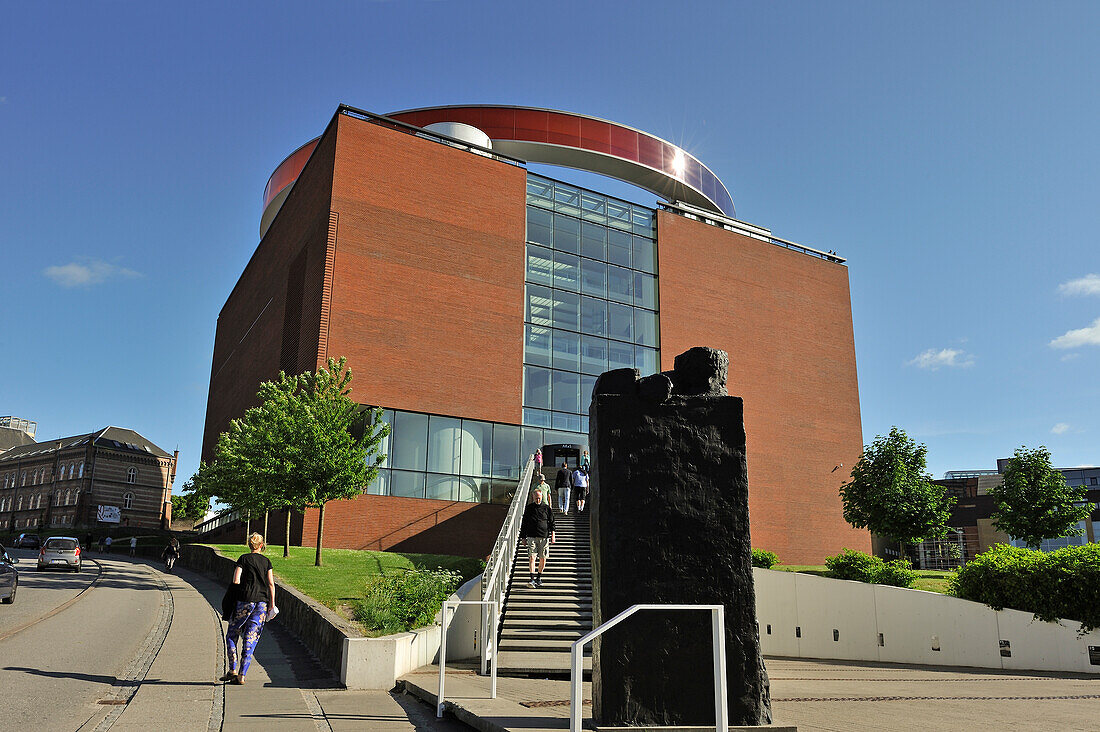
(122, 646)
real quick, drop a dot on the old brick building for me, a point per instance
(477, 302)
(111, 478)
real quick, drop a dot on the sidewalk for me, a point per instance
(286, 688)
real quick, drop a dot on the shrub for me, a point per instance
(898, 573)
(861, 567)
(764, 559)
(1060, 584)
(405, 600)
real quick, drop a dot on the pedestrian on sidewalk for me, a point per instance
(538, 460)
(586, 463)
(580, 487)
(537, 530)
(563, 483)
(133, 545)
(107, 545)
(255, 585)
(543, 486)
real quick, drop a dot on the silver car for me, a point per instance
(9, 577)
(59, 552)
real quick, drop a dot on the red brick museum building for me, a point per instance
(477, 302)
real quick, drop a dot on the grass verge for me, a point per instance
(927, 579)
(341, 583)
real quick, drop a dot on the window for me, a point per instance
(34, 478)
(444, 441)
(24, 478)
(20, 504)
(72, 469)
(80, 470)
(1092, 481)
(410, 443)
(128, 499)
(131, 474)
(68, 496)
(57, 498)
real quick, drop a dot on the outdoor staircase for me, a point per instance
(540, 625)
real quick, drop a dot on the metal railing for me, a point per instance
(494, 582)
(494, 617)
(718, 638)
(221, 519)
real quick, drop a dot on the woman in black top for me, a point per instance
(255, 584)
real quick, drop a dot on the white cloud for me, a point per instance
(1087, 285)
(949, 357)
(86, 272)
(1059, 429)
(1071, 356)
(1088, 336)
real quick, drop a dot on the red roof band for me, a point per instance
(563, 138)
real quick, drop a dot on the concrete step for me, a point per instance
(538, 634)
(523, 614)
(532, 645)
(521, 663)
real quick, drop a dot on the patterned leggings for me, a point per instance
(248, 621)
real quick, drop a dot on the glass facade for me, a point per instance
(591, 288)
(452, 459)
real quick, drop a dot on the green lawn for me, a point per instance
(927, 579)
(342, 579)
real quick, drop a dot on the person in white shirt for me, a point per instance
(580, 487)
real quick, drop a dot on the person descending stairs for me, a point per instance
(540, 624)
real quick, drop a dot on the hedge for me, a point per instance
(1051, 585)
(853, 565)
(764, 559)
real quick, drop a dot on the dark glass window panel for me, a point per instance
(620, 284)
(567, 352)
(530, 440)
(645, 291)
(567, 234)
(621, 322)
(646, 360)
(477, 448)
(593, 208)
(406, 484)
(587, 383)
(380, 486)
(593, 355)
(642, 219)
(565, 392)
(584, 425)
(540, 192)
(540, 265)
(620, 355)
(593, 316)
(593, 278)
(645, 254)
(539, 300)
(444, 443)
(645, 328)
(537, 349)
(410, 441)
(594, 241)
(447, 488)
(567, 422)
(567, 199)
(566, 310)
(618, 215)
(536, 387)
(505, 451)
(384, 444)
(619, 246)
(502, 491)
(539, 225)
(536, 417)
(567, 273)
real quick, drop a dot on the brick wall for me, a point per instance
(389, 523)
(785, 319)
(255, 326)
(428, 267)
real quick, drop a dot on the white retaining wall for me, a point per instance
(915, 626)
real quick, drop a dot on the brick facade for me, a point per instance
(785, 319)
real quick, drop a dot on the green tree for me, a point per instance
(305, 444)
(1034, 502)
(190, 504)
(891, 493)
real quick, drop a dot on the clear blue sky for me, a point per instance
(950, 153)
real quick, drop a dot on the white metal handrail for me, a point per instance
(495, 578)
(718, 637)
(493, 615)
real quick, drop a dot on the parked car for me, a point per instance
(59, 552)
(9, 577)
(28, 541)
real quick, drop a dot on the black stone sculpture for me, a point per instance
(670, 524)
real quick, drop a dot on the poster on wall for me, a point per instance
(109, 514)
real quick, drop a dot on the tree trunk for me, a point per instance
(265, 524)
(247, 526)
(320, 533)
(286, 536)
